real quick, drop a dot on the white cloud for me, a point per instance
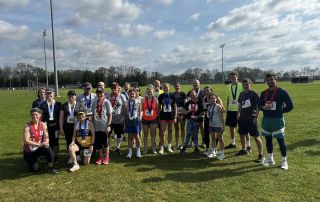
(9, 4)
(12, 32)
(164, 2)
(211, 36)
(194, 17)
(163, 34)
(129, 30)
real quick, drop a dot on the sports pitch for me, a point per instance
(169, 177)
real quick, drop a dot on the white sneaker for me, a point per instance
(138, 153)
(221, 156)
(161, 150)
(210, 155)
(154, 151)
(129, 154)
(284, 164)
(74, 168)
(269, 161)
(170, 149)
(78, 158)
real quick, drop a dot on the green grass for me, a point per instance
(168, 177)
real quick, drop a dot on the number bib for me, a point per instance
(148, 113)
(87, 152)
(273, 105)
(246, 104)
(167, 109)
(234, 102)
(33, 148)
(71, 119)
(180, 110)
(56, 134)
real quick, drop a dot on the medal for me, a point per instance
(131, 110)
(166, 100)
(88, 102)
(50, 110)
(234, 93)
(51, 118)
(71, 110)
(36, 133)
(99, 107)
(267, 101)
(83, 131)
(149, 107)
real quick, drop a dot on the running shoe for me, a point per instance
(230, 146)
(249, 150)
(139, 154)
(242, 153)
(106, 160)
(183, 150)
(284, 165)
(260, 158)
(161, 150)
(99, 161)
(74, 168)
(170, 149)
(52, 171)
(221, 156)
(129, 154)
(269, 161)
(118, 151)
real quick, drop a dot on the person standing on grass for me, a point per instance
(150, 113)
(216, 126)
(102, 118)
(41, 98)
(50, 115)
(193, 112)
(36, 143)
(117, 101)
(133, 123)
(126, 88)
(248, 114)
(181, 121)
(274, 102)
(68, 117)
(168, 116)
(83, 139)
(157, 88)
(87, 98)
(233, 91)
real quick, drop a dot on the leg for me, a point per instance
(31, 160)
(183, 131)
(189, 128)
(73, 148)
(196, 127)
(269, 144)
(153, 128)
(177, 130)
(86, 160)
(232, 135)
(259, 144)
(145, 136)
(282, 146)
(163, 126)
(170, 132)
(243, 141)
(206, 133)
(201, 126)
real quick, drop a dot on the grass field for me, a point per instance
(169, 177)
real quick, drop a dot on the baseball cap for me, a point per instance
(87, 85)
(49, 90)
(71, 92)
(100, 90)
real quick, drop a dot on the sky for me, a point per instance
(167, 36)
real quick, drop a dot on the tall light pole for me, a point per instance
(222, 46)
(54, 53)
(45, 56)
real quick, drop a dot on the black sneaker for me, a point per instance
(249, 150)
(118, 151)
(230, 146)
(52, 171)
(242, 153)
(183, 150)
(196, 150)
(260, 159)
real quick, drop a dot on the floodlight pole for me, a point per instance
(54, 54)
(222, 46)
(45, 56)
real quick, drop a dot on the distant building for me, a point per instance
(302, 79)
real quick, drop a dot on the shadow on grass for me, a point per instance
(303, 143)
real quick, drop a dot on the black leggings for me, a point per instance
(53, 141)
(206, 132)
(32, 157)
(68, 133)
(282, 145)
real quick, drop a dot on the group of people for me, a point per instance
(87, 121)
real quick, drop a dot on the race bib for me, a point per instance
(180, 110)
(87, 152)
(234, 102)
(33, 148)
(89, 112)
(272, 105)
(71, 119)
(148, 113)
(246, 104)
(167, 109)
(56, 134)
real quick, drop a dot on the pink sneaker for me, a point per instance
(98, 162)
(106, 160)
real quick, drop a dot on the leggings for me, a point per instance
(32, 157)
(206, 132)
(53, 141)
(282, 145)
(192, 128)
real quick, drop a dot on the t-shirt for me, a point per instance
(46, 114)
(249, 103)
(37, 103)
(158, 93)
(213, 115)
(68, 117)
(116, 102)
(87, 100)
(282, 103)
(167, 103)
(233, 92)
(195, 109)
(125, 95)
(101, 122)
(180, 98)
(132, 110)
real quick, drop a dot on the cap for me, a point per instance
(33, 110)
(100, 90)
(49, 90)
(87, 85)
(71, 92)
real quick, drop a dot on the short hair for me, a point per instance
(42, 88)
(213, 95)
(176, 83)
(150, 86)
(210, 89)
(271, 74)
(233, 73)
(166, 84)
(246, 80)
(131, 91)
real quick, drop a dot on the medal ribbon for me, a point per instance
(211, 111)
(71, 110)
(131, 108)
(166, 100)
(51, 109)
(149, 107)
(234, 94)
(193, 108)
(83, 131)
(35, 132)
(113, 98)
(88, 102)
(99, 107)
(273, 95)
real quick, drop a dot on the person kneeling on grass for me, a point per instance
(36, 142)
(216, 124)
(133, 122)
(193, 111)
(248, 113)
(83, 139)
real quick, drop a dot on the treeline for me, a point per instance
(26, 75)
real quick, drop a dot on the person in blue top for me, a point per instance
(41, 98)
(274, 102)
